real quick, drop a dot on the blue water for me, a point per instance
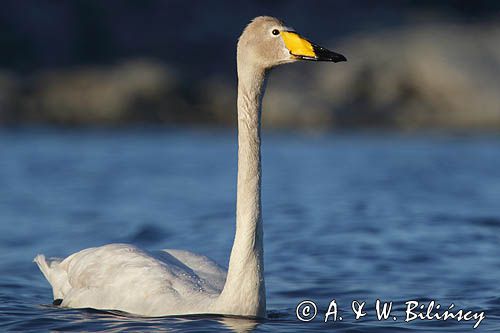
(346, 217)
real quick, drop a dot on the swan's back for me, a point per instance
(120, 276)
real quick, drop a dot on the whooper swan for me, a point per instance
(173, 282)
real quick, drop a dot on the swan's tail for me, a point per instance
(42, 264)
(57, 277)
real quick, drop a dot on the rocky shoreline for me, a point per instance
(426, 76)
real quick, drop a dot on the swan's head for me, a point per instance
(266, 42)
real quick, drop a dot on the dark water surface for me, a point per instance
(346, 217)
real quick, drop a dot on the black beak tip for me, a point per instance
(323, 54)
(338, 58)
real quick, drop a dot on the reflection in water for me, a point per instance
(117, 321)
(239, 325)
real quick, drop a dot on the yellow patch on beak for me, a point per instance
(297, 45)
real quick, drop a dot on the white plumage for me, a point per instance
(121, 276)
(172, 282)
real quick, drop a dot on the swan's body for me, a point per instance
(172, 282)
(123, 277)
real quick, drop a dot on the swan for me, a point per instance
(175, 282)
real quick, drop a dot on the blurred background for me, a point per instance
(411, 64)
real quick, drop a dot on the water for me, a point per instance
(347, 217)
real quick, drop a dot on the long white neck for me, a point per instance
(244, 292)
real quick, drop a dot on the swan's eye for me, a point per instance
(276, 32)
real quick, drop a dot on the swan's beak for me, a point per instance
(302, 49)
